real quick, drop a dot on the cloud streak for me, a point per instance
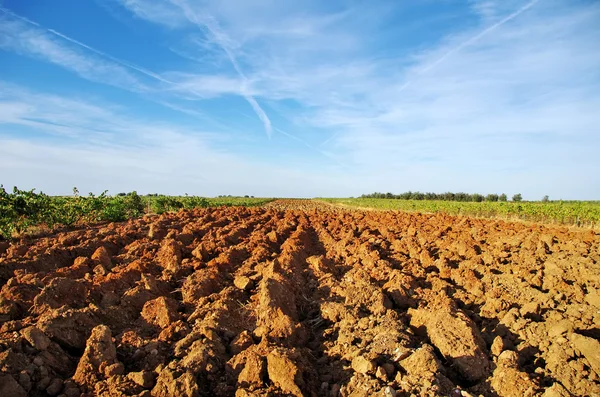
(221, 39)
(470, 41)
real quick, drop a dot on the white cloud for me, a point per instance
(95, 146)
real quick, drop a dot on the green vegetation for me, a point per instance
(580, 213)
(20, 210)
(448, 196)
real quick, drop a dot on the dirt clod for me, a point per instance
(36, 337)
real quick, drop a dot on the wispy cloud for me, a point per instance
(29, 38)
(449, 101)
(471, 40)
(221, 39)
(98, 145)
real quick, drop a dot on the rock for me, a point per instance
(197, 357)
(109, 298)
(335, 390)
(61, 291)
(530, 310)
(167, 385)
(201, 283)
(388, 391)
(589, 347)
(161, 311)
(10, 387)
(497, 346)
(153, 285)
(73, 392)
(456, 337)
(55, 387)
(38, 361)
(243, 283)
(422, 360)
(114, 369)
(381, 374)
(25, 380)
(272, 236)
(144, 379)
(8, 310)
(507, 380)
(593, 298)
(559, 328)
(241, 342)
(363, 366)
(253, 373)
(284, 373)
(100, 270)
(36, 337)
(101, 257)
(169, 255)
(100, 352)
(320, 264)
(43, 383)
(69, 327)
(389, 369)
(13, 362)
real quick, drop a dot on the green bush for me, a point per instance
(517, 197)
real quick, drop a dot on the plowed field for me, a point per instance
(302, 299)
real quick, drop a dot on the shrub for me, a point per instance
(517, 197)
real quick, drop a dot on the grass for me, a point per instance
(579, 213)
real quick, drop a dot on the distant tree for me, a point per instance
(431, 196)
(246, 196)
(122, 194)
(546, 199)
(491, 197)
(477, 197)
(418, 196)
(517, 197)
(462, 197)
(448, 196)
(502, 197)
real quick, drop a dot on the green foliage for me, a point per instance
(545, 199)
(502, 197)
(21, 209)
(491, 197)
(517, 198)
(448, 196)
(581, 213)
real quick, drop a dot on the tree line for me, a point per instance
(448, 196)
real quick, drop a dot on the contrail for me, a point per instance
(112, 58)
(92, 49)
(470, 41)
(218, 37)
(455, 50)
(250, 99)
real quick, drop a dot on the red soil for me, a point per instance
(299, 298)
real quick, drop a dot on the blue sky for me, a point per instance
(302, 99)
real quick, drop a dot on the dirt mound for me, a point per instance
(302, 299)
